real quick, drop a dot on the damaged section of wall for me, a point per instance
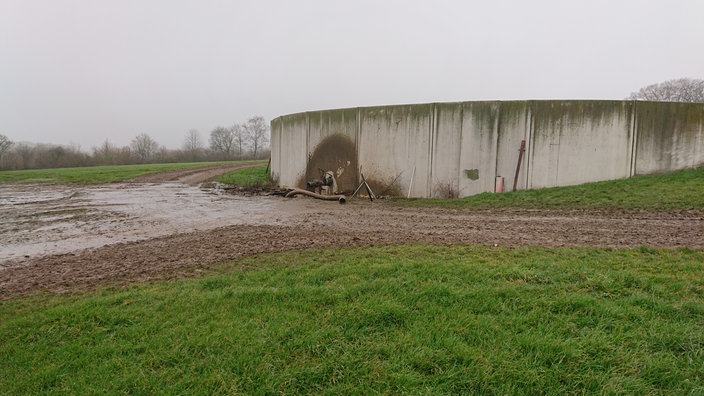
(458, 149)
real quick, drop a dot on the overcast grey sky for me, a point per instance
(86, 71)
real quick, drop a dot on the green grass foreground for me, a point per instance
(255, 176)
(95, 174)
(420, 319)
(671, 191)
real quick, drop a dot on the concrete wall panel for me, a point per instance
(576, 142)
(393, 141)
(293, 151)
(478, 147)
(670, 136)
(276, 130)
(447, 137)
(513, 126)
(332, 145)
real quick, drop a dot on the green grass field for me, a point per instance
(392, 319)
(255, 176)
(94, 174)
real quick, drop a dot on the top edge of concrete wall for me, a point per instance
(529, 101)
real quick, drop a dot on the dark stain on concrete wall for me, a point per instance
(336, 153)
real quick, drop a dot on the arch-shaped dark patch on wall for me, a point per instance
(336, 153)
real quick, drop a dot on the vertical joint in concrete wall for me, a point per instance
(357, 139)
(495, 149)
(307, 137)
(529, 139)
(432, 131)
(459, 156)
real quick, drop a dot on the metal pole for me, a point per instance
(518, 166)
(413, 175)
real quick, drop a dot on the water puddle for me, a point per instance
(37, 220)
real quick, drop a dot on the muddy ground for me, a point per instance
(62, 238)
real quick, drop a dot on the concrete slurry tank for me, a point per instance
(459, 149)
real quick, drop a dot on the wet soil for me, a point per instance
(65, 238)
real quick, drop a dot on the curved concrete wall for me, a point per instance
(439, 149)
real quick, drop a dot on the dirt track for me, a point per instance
(64, 238)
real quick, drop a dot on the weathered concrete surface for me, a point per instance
(579, 141)
(458, 149)
(479, 147)
(332, 146)
(396, 140)
(670, 136)
(289, 147)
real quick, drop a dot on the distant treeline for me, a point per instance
(42, 156)
(249, 140)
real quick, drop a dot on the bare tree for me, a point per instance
(192, 141)
(678, 90)
(240, 135)
(192, 144)
(258, 133)
(5, 144)
(53, 156)
(144, 147)
(105, 154)
(24, 156)
(222, 140)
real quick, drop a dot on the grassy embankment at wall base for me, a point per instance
(679, 190)
(389, 319)
(96, 174)
(672, 191)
